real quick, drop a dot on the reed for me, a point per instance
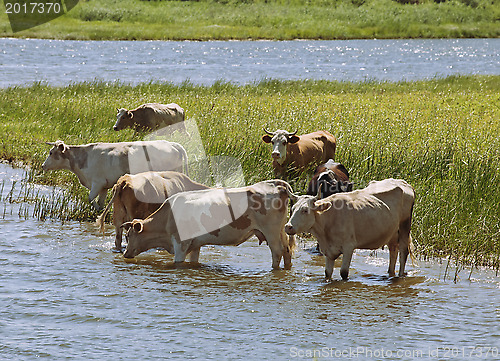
(262, 19)
(441, 135)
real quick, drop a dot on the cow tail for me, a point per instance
(100, 220)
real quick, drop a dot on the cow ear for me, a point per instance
(321, 207)
(266, 138)
(293, 139)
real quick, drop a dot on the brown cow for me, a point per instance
(139, 195)
(329, 178)
(299, 152)
(151, 116)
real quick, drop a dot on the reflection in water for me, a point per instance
(64, 294)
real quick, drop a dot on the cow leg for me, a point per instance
(194, 255)
(329, 264)
(98, 190)
(393, 254)
(118, 240)
(180, 250)
(287, 254)
(102, 198)
(404, 245)
(346, 262)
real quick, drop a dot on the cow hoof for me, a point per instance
(117, 250)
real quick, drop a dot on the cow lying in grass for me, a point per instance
(150, 117)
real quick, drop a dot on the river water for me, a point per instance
(59, 62)
(65, 295)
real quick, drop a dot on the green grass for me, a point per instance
(263, 19)
(441, 135)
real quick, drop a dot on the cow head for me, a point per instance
(279, 141)
(57, 158)
(328, 183)
(133, 235)
(304, 213)
(123, 119)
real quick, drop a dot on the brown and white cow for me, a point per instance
(151, 116)
(369, 218)
(139, 195)
(224, 216)
(99, 165)
(299, 152)
(329, 178)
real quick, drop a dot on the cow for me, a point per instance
(329, 178)
(299, 152)
(139, 195)
(224, 216)
(369, 218)
(150, 117)
(99, 165)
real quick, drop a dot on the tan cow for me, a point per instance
(139, 195)
(151, 116)
(224, 216)
(369, 218)
(299, 152)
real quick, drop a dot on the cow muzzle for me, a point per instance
(115, 128)
(289, 229)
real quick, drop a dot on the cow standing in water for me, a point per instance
(329, 178)
(369, 218)
(139, 195)
(150, 117)
(99, 165)
(224, 216)
(298, 152)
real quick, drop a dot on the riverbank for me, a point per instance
(278, 20)
(440, 135)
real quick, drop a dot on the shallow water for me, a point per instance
(60, 62)
(65, 295)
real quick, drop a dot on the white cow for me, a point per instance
(369, 218)
(99, 165)
(225, 216)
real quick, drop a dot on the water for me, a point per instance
(59, 62)
(65, 295)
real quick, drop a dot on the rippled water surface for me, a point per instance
(65, 295)
(59, 62)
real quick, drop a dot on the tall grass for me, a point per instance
(441, 135)
(261, 19)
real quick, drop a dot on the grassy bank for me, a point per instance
(262, 19)
(441, 135)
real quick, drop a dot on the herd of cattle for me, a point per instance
(157, 205)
